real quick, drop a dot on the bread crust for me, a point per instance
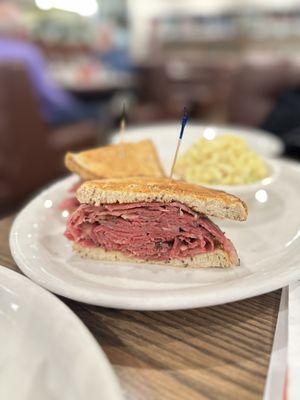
(217, 258)
(116, 161)
(210, 202)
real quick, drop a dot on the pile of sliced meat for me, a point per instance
(149, 231)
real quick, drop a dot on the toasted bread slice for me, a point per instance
(211, 202)
(217, 258)
(116, 161)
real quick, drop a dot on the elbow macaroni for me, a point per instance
(226, 160)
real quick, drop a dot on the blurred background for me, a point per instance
(67, 67)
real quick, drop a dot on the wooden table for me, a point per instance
(210, 353)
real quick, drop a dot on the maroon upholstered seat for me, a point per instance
(31, 153)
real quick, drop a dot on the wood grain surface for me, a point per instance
(217, 352)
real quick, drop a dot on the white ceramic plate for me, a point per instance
(165, 138)
(268, 245)
(46, 351)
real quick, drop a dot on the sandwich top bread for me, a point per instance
(155, 220)
(116, 161)
(214, 203)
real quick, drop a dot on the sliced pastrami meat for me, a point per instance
(150, 231)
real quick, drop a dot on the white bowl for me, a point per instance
(250, 189)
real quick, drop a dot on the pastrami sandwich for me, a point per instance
(153, 220)
(116, 161)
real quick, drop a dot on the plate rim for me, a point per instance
(134, 302)
(135, 129)
(105, 367)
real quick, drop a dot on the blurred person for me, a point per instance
(265, 93)
(57, 106)
(112, 48)
(284, 120)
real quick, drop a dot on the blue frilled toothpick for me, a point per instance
(183, 124)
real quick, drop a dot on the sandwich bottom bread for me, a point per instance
(158, 220)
